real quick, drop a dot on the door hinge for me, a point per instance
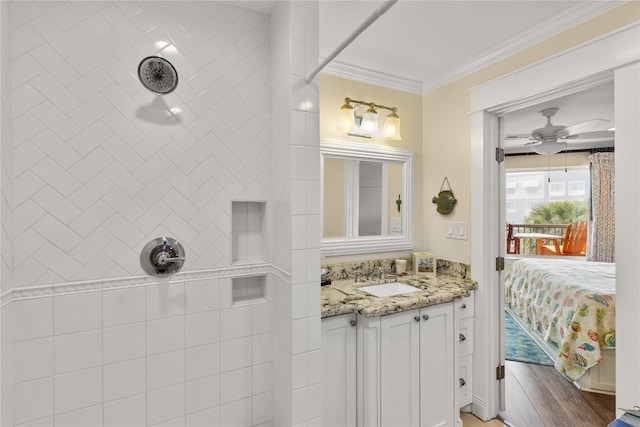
(499, 154)
(499, 263)
(500, 372)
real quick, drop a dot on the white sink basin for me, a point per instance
(389, 289)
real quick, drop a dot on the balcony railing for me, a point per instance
(528, 245)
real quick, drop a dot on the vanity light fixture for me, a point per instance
(367, 125)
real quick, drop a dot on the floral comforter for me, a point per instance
(570, 304)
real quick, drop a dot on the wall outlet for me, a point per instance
(456, 230)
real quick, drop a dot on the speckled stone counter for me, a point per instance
(343, 296)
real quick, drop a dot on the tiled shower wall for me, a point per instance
(95, 167)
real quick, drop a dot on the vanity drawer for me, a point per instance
(465, 381)
(465, 337)
(465, 307)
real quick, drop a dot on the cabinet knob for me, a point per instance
(462, 382)
(353, 323)
(463, 306)
(425, 316)
(417, 318)
(462, 337)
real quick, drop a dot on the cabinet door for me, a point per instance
(399, 369)
(339, 371)
(437, 363)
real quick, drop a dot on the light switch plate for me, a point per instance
(456, 230)
(396, 225)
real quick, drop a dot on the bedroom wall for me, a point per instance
(446, 126)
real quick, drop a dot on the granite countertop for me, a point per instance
(343, 296)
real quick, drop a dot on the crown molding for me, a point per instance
(562, 22)
(376, 78)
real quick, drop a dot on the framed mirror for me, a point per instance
(366, 198)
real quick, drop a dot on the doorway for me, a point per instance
(543, 80)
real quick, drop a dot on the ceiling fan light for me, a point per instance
(391, 128)
(549, 148)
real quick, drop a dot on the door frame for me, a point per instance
(617, 55)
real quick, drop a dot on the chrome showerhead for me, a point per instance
(158, 75)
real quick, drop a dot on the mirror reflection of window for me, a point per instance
(371, 206)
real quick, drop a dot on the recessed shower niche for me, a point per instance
(248, 232)
(249, 290)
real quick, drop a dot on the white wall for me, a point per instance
(96, 167)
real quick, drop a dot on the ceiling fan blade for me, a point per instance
(599, 134)
(588, 126)
(517, 136)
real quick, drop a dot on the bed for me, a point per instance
(568, 306)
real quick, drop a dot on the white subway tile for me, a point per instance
(77, 351)
(203, 393)
(44, 422)
(176, 422)
(124, 379)
(166, 300)
(209, 418)
(33, 400)
(298, 371)
(236, 413)
(314, 363)
(261, 378)
(77, 312)
(235, 354)
(299, 406)
(91, 416)
(131, 411)
(299, 336)
(202, 361)
(202, 295)
(314, 335)
(165, 369)
(261, 318)
(165, 335)
(165, 404)
(299, 301)
(235, 322)
(261, 348)
(123, 306)
(262, 408)
(32, 359)
(235, 385)
(202, 328)
(35, 317)
(78, 389)
(121, 343)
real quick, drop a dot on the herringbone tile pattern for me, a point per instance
(101, 165)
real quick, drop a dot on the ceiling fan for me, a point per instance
(552, 139)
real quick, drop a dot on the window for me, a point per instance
(530, 205)
(511, 187)
(556, 189)
(511, 206)
(532, 186)
(576, 188)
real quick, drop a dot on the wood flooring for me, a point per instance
(538, 396)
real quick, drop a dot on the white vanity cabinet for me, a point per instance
(339, 371)
(406, 365)
(464, 309)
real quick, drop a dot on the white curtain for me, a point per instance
(601, 238)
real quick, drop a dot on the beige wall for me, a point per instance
(542, 162)
(446, 124)
(333, 90)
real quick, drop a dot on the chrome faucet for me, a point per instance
(378, 270)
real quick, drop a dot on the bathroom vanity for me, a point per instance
(399, 360)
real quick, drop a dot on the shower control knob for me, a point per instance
(162, 256)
